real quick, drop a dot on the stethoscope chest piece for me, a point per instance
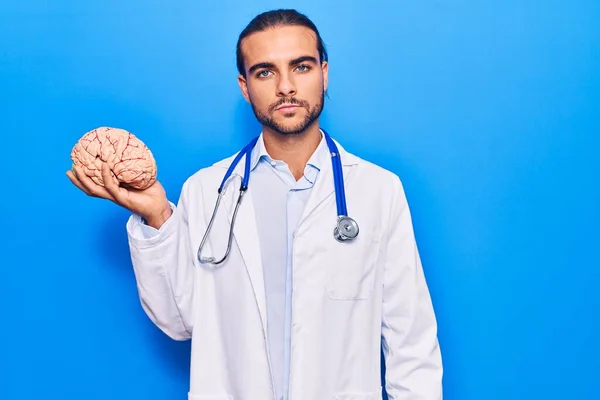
(346, 229)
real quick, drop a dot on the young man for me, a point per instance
(292, 312)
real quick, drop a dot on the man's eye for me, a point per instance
(303, 68)
(263, 74)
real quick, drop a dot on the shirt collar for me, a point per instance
(316, 160)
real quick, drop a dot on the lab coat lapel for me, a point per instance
(324, 186)
(322, 189)
(246, 236)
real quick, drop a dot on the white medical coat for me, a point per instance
(347, 297)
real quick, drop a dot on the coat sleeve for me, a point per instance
(163, 268)
(409, 327)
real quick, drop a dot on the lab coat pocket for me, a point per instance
(376, 395)
(351, 268)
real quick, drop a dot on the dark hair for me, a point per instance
(273, 19)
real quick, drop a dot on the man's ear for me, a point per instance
(244, 87)
(325, 68)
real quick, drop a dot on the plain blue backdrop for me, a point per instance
(488, 110)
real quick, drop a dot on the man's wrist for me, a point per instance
(157, 220)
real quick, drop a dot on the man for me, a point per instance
(292, 313)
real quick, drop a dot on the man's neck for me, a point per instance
(294, 150)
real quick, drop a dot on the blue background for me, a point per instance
(488, 110)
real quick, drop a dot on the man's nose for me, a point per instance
(286, 86)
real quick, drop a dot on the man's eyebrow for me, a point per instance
(292, 62)
(260, 65)
(303, 59)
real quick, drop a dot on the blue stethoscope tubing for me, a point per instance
(338, 176)
(345, 229)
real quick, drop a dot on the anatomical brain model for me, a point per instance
(130, 161)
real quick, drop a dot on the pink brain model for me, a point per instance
(130, 161)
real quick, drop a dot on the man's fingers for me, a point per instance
(76, 182)
(111, 184)
(89, 186)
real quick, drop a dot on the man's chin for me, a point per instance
(289, 126)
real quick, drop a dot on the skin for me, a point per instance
(284, 83)
(150, 203)
(287, 67)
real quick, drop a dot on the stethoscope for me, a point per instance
(346, 228)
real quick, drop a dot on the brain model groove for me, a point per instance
(129, 159)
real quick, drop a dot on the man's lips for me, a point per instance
(287, 108)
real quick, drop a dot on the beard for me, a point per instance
(312, 115)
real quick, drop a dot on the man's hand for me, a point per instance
(151, 203)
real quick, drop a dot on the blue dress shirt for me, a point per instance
(279, 201)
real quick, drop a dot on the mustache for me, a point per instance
(290, 101)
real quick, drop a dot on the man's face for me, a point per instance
(285, 81)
